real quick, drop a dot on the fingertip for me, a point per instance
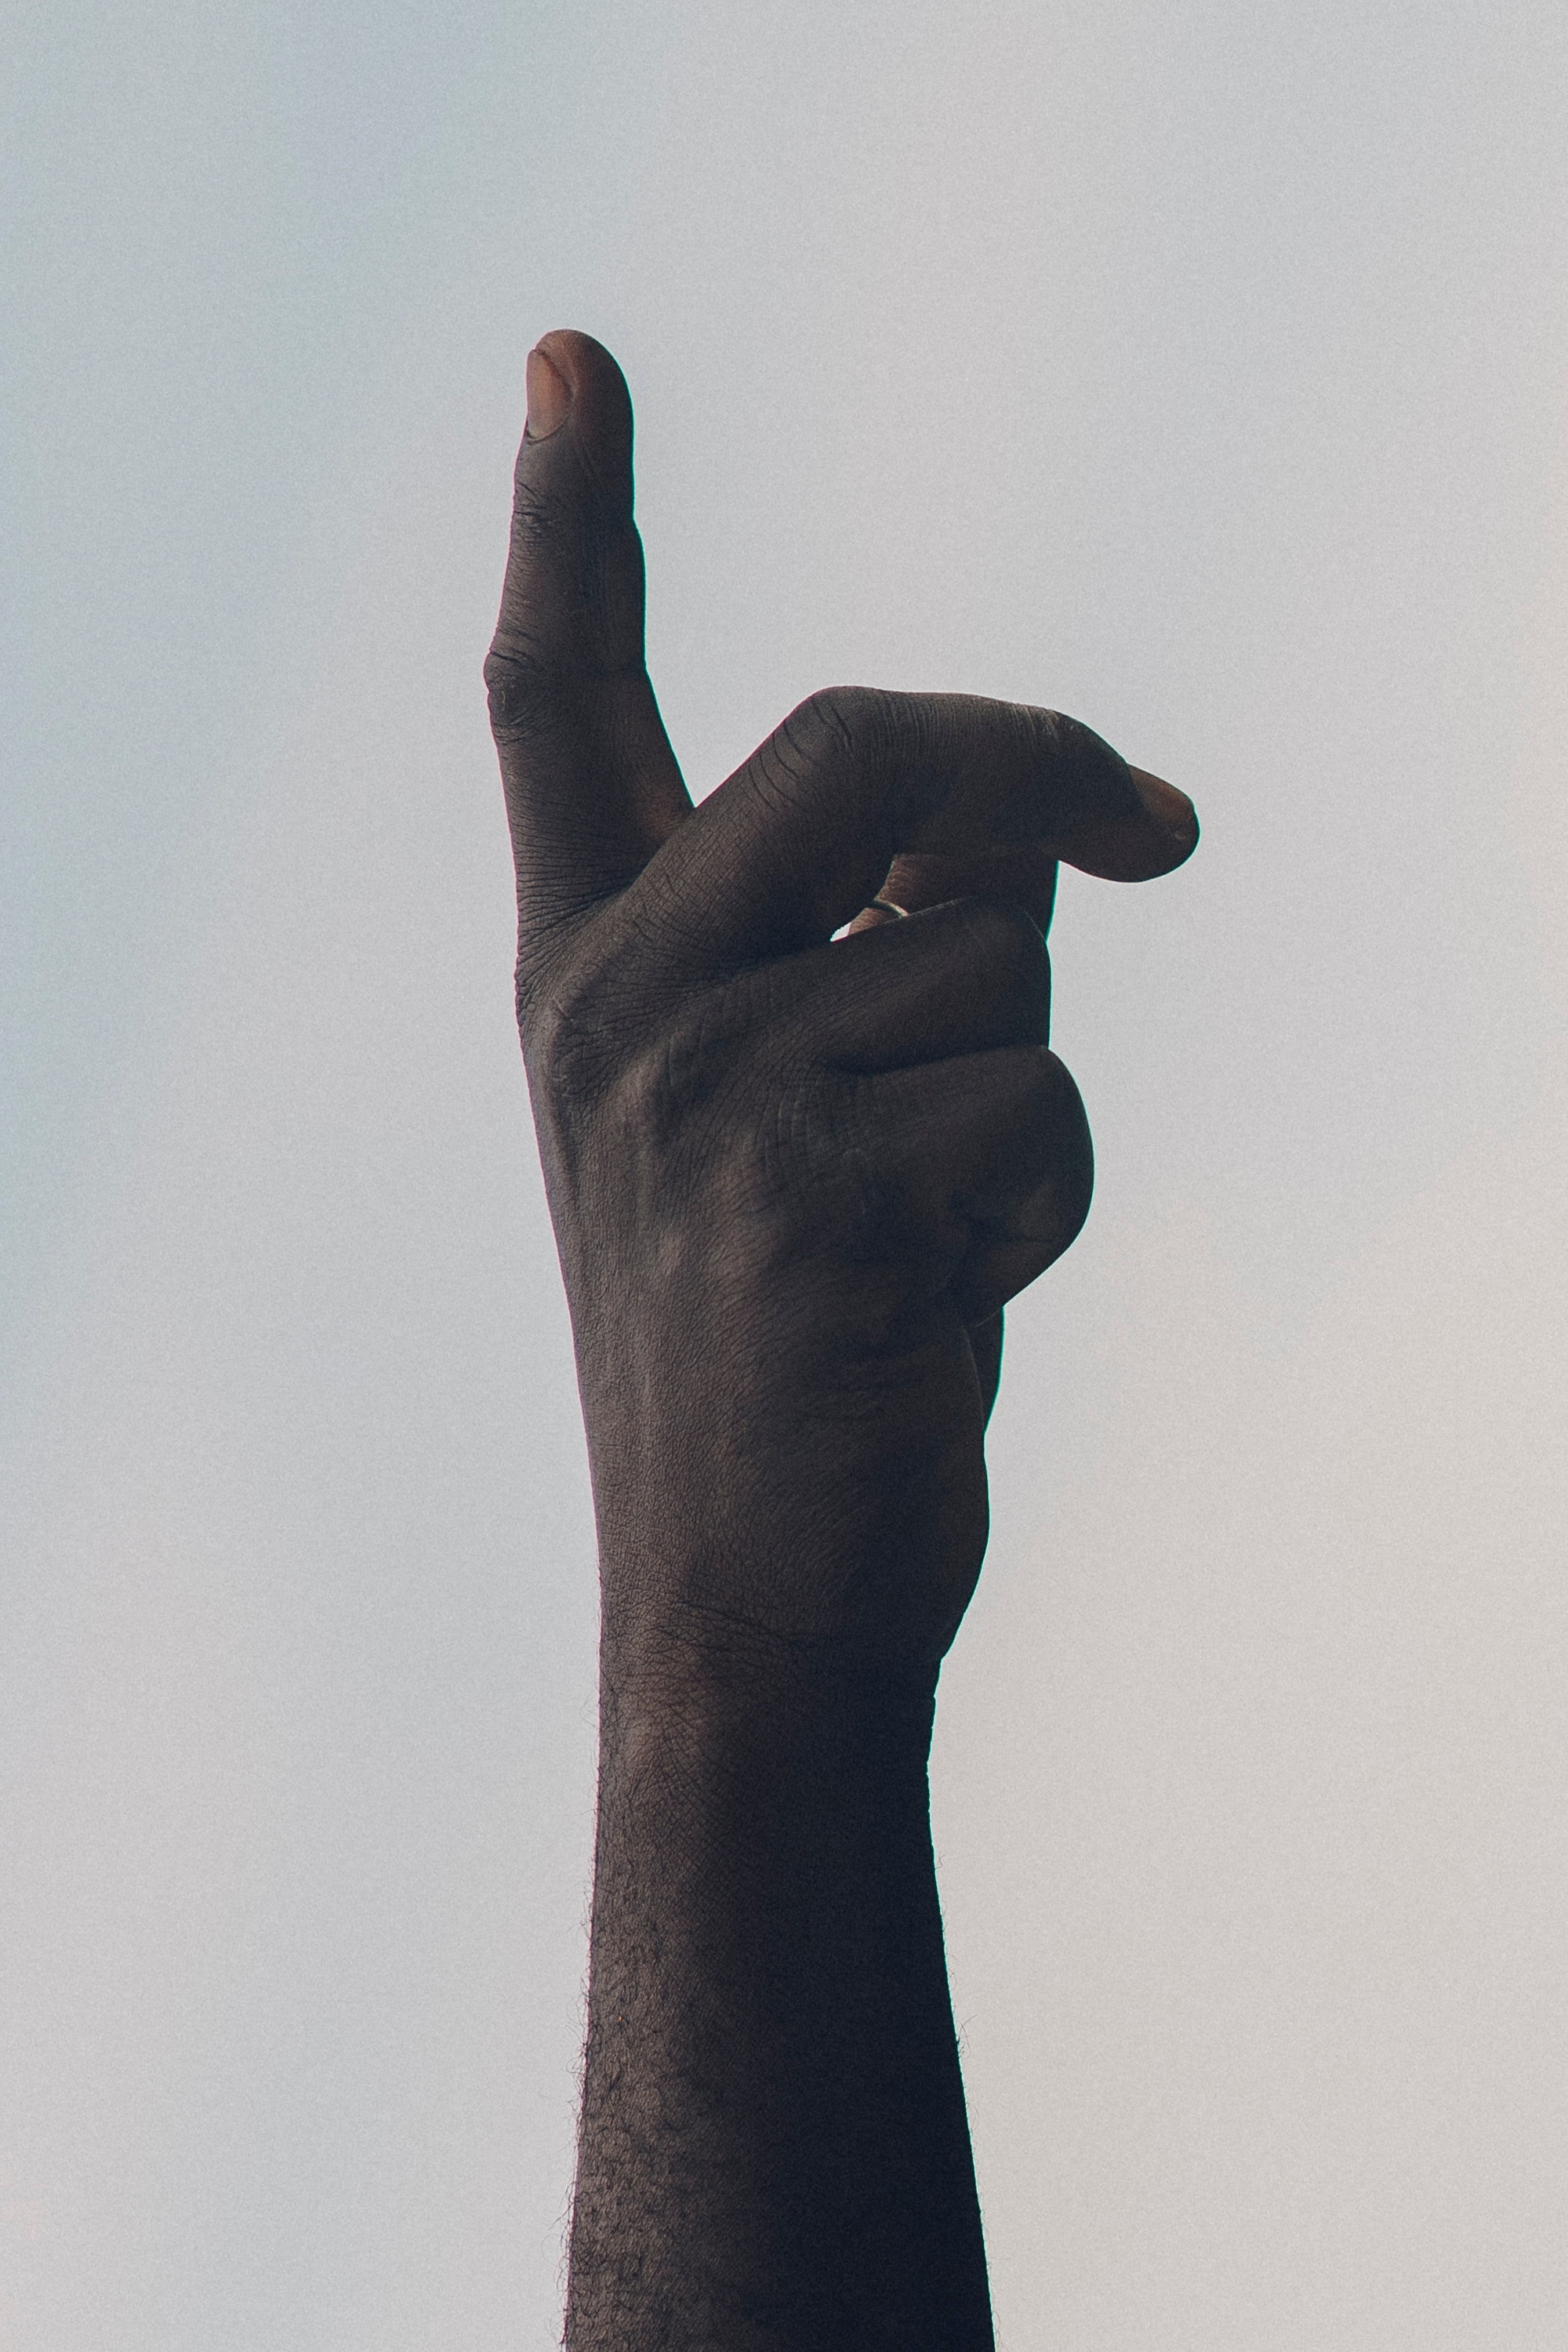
(549, 397)
(572, 377)
(1135, 846)
(1171, 811)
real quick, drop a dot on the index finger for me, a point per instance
(592, 784)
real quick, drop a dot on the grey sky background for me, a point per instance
(1198, 370)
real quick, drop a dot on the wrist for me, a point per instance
(687, 1672)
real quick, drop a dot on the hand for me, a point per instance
(794, 1177)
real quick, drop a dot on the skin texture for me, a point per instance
(794, 1178)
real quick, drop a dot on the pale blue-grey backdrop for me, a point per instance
(1200, 371)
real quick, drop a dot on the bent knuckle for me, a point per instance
(1035, 1123)
(1049, 1091)
(1004, 938)
(999, 963)
(1060, 1128)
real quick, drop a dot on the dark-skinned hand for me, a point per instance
(803, 1138)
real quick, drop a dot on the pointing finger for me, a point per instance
(592, 784)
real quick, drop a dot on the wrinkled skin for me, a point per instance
(795, 1173)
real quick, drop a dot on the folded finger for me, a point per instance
(960, 978)
(998, 1147)
(981, 1135)
(1022, 877)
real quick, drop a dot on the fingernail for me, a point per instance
(1172, 811)
(549, 397)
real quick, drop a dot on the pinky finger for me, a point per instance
(985, 1341)
(1018, 1234)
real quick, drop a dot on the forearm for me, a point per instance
(774, 2151)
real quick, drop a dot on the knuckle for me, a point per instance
(581, 1025)
(524, 688)
(1005, 936)
(1036, 1120)
(850, 720)
(1045, 1089)
(653, 1074)
(536, 516)
(560, 1048)
(1033, 1199)
(680, 1074)
(1085, 758)
(1008, 967)
(1061, 1125)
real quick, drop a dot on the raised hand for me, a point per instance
(790, 1175)
(795, 1172)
